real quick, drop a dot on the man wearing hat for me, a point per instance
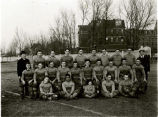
(130, 58)
(145, 61)
(21, 66)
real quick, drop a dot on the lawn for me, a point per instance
(144, 106)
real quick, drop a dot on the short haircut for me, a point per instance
(67, 75)
(22, 52)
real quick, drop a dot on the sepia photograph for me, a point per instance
(78, 58)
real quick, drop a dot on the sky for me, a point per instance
(34, 16)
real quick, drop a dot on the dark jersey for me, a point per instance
(68, 60)
(139, 72)
(130, 59)
(80, 60)
(93, 59)
(62, 72)
(111, 71)
(39, 75)
(87, 72)
(52, 73)
(116, 59)
(98, 72)
(75, 73)
(27, 75)
(21, 66)
(105, 59)
(54, 60)
(38, 60)
(124, 70)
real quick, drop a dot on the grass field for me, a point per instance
(144, 106)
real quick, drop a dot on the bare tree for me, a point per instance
(95, 9)
(20, 39)
(84, 6)
(139, 15)
(65, 28)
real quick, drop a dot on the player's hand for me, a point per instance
(136, 80)
(145, 80)
(30, 81)
(115, 80)
(23, 82)
(35, 82)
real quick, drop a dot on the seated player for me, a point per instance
(46, 91)
(26, 84)
(139, 75)
(51, 72)
(76, 76)
(39, 76)
(126, 87)
(68, 88)
(89, 90)
(98, 73)
(108, 88)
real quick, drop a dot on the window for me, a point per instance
(111, 30)
(118, 22)
(112, 40)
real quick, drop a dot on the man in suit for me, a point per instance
(145, 61)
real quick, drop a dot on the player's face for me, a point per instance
(68, 78)
(124, 62)
(23, 56)
(40, 66)
(98, 62)
(28, 66)
(93, 52)
(46, 80)
(67, 52)
(129, 51)
(104, 51)
(80, 52)
(75, 65)
(63, 64)
(138, 62)
(141, 52)
(51, 64)
(110, 63)
(117, 52)
(108, 77)
(39, 54)
(90, 83)
(52, 53)
(87, 63)
(126, 77)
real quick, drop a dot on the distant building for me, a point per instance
(148, 38)
(109, 34)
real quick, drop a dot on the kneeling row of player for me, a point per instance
(69, 90)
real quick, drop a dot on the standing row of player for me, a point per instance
(83, 73)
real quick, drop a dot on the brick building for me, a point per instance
(109, 34)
